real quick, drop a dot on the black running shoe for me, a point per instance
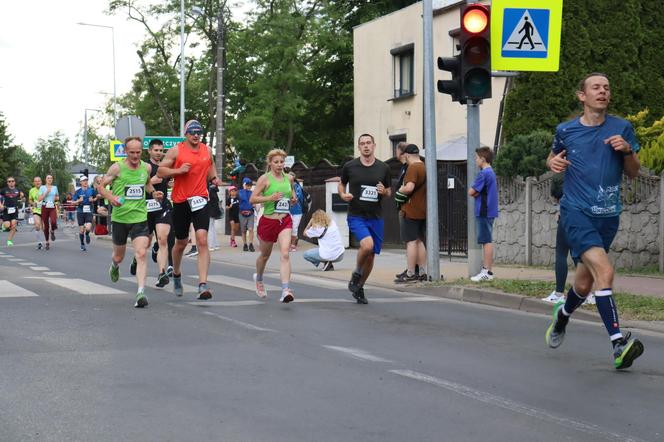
(132, 267)
(251, 248)
(402, 274)
(359, 296)
(354, 283)
(245, 248)
(162, 280)
(155, 249)
(407, 278)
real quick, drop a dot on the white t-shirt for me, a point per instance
(330, 246)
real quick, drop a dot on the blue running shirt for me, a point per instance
(592, 181)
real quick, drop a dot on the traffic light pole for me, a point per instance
(473, 138)
(433, 244)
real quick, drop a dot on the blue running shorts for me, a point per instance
(363, 227)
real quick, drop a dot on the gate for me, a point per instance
(452, 204)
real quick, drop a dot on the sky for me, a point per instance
(53, 68)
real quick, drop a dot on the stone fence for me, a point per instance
(525, 231)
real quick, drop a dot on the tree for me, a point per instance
(651, 140)
(524, 155)
(13, 158)
(50, 158)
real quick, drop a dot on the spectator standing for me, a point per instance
(247, 216)
(296, 211)
(215, 214)
(330, 248)
(233, 211)
(70, 210)
(485, 192)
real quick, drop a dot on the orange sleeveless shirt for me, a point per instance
(194, 182)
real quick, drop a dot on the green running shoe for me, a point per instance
(10, 243)
(626, 351)
(114, 272)
(141, 300)
(555, 334)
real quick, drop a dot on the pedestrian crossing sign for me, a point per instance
(525, 35)
(117, 150)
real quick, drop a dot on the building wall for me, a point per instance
(375, 111)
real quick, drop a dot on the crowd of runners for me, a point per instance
(172, 200)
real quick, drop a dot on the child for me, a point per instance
(233, 210)
(330, 249)
(485, 192)
(70, 211)
(246, 216)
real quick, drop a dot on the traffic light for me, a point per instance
(475, 44)
(453, 86)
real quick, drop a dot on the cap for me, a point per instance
(231, 188)
(192, 125)
(411, 148)
(83, 178)
(246, 180)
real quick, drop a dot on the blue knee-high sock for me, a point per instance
(572, 302)
(606, 307)
(80, 236)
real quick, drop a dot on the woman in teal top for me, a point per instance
(48, 196)
(275, 191)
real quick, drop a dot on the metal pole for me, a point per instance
(433, 241)
(182, 68)
(473, 138)
(115, 97)
(220, 95)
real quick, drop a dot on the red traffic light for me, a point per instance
(475, 18)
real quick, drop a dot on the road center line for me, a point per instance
(516, 407)
(240, 323)
(357, 353)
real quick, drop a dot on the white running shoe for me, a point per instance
(260, 288)
(590, 299)
(483, 275)
(286, 296)
(554, 297)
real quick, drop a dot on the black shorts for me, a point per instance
(9, 216)
(413, 229)
(163, 216)
(183, 217)
(121, 231)
(84, 218)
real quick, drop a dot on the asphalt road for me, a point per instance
(79, 363)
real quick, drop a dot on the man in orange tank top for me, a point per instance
(190, 164)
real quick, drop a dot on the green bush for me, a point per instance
(524, 155)
(651, 139)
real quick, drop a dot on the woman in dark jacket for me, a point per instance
(215, 213)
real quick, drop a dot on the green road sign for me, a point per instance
(168, 141)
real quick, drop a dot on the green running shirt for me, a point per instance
(130, 185)
(283, 186)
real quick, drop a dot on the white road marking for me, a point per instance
(54, 273)
(357, 353)
(240, 323)
(27, 263)
(168, 288)
(11, 290)
(82, 286)
(246, 284)
(314, 281)
(16, 259)
(516, 407)
(227, 303)
(41, 269)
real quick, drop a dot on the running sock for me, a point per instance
(606, 307)
(358, 270)
(573, 301)
(38, 236)
(259, 278)
(81, 236)
(284, 285)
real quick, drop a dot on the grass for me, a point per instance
(630, 305)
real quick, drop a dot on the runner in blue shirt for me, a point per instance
(594, 150)
(84, 197)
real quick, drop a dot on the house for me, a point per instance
(388, 80)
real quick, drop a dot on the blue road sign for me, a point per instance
(525, 33)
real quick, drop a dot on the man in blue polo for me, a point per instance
(84, 197)
(594, 150)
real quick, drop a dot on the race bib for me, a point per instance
(11, 210)
(49, 204)
(282, 206)
(134, 191)
(369, 193)
(196, 203)
(87, 209)
(153, 205)
(38, 204)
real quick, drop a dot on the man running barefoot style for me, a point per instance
(368, 181)
(84, 198)
(190, 164)
(9, 198)
(35, 207)
(275, 191)
(130, 181)
(594, 150)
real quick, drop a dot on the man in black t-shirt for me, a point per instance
(368, 181)
(9, 197)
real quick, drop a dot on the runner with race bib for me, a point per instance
(84, 198)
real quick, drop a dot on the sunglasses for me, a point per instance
(195, 132)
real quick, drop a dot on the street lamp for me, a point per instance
(85, 134)
(115, 101)
(198, 12)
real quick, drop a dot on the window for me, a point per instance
(394, 140)
(404, 61)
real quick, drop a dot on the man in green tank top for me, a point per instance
(130, 181)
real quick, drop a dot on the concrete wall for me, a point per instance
(376, 111)
(525, 231)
